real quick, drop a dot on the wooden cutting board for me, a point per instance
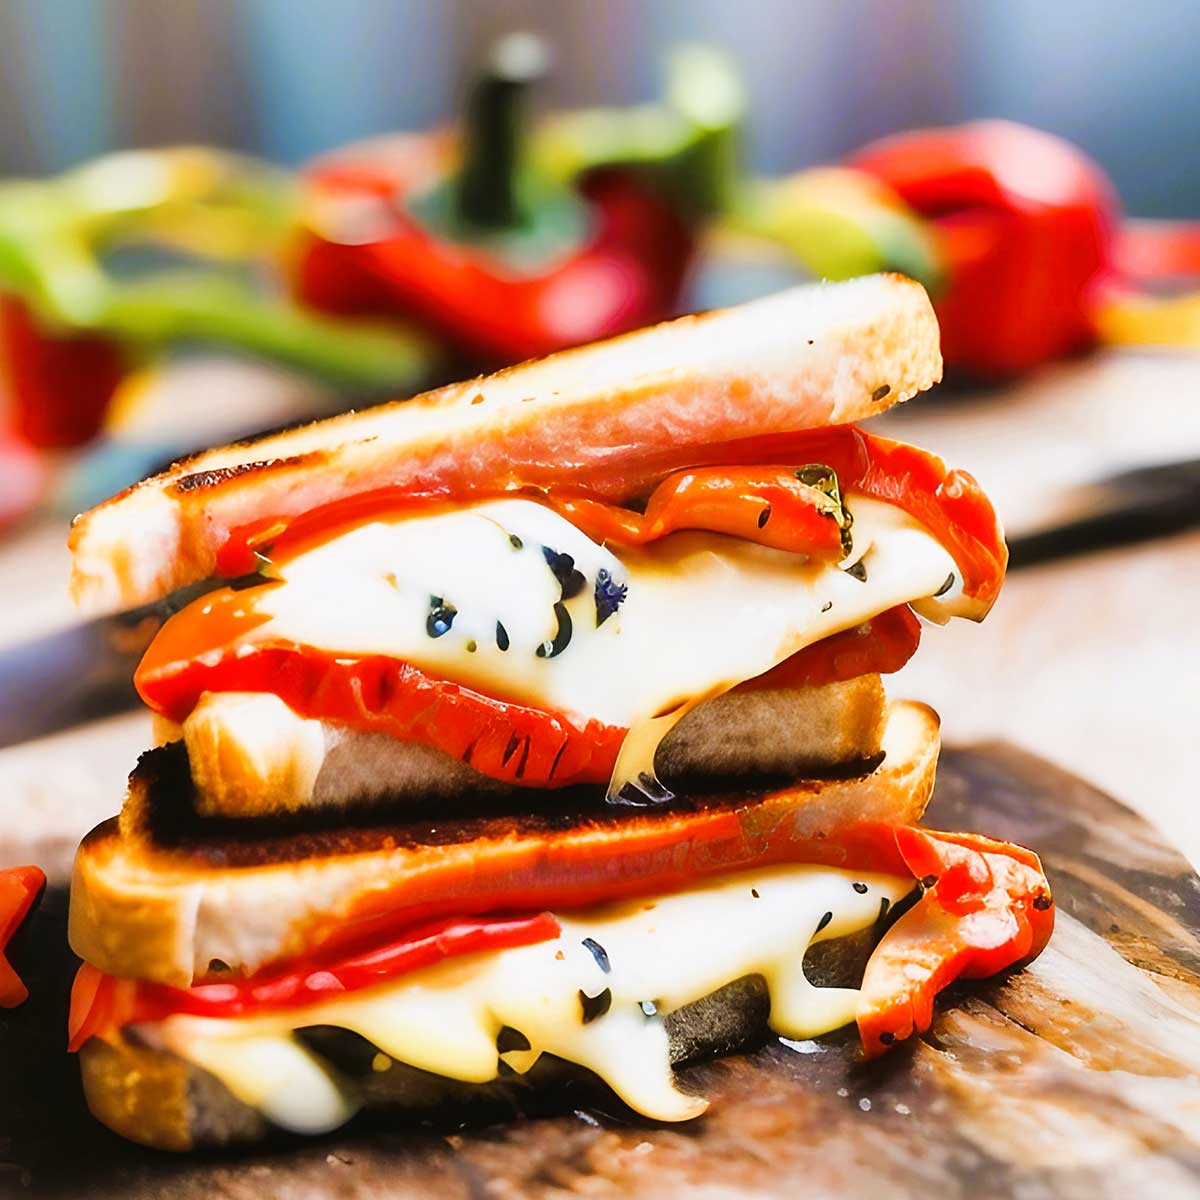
(1079, 1077)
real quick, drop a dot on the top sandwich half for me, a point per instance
(667, 559)
(606, 418)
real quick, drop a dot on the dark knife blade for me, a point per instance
(1119, 510)
(82, 672)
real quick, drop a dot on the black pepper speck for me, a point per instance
(594, 1007)
(441, 617)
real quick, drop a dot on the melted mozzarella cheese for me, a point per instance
(701, 611)
(600, 1006)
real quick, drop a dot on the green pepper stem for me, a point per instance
(486, 194)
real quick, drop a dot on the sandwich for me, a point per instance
(530, 735)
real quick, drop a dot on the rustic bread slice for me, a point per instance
(154, 1097)
(251, 756)
(142, 907)
(611, 413)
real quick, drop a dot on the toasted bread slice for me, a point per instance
(163, 906)
(251, 756)
(151, 1096)
(613, 415)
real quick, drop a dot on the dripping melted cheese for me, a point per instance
(669, 951)
(701, 611)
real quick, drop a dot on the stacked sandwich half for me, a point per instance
(534, 729)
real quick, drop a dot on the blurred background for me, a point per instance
(258, 263)
(287, 80)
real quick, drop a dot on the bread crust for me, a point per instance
(141, 911)
(610, 415)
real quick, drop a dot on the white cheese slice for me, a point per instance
(701, 611)
(648, 958)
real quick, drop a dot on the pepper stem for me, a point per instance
(486, 193)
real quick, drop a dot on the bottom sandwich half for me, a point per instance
(239, 980)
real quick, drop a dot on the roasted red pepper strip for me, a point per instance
(198, 651)
(100, 1002)
(60, 384)
(876, 647)
(767, 505)
(949, 503)
(1026, 224)
(987, 906)
(20, 888)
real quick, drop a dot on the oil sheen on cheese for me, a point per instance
(599, 1003)
(510, 598)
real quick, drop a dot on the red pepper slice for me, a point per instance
(20, 888)
(879, 646)
(767, 505)
(202, 649)
(986, 907)
(101, 1002)
(949, 503)
(503, 739)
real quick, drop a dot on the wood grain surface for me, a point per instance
(1078, 1077)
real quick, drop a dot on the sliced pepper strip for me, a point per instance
(986, 906)
(767, 505)
(101, 1002)
(949, 503)
(208, 647)
(879, 646)
(20, 888)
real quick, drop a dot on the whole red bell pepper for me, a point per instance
(463, 237)
(1026, 224)
(58, 385)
